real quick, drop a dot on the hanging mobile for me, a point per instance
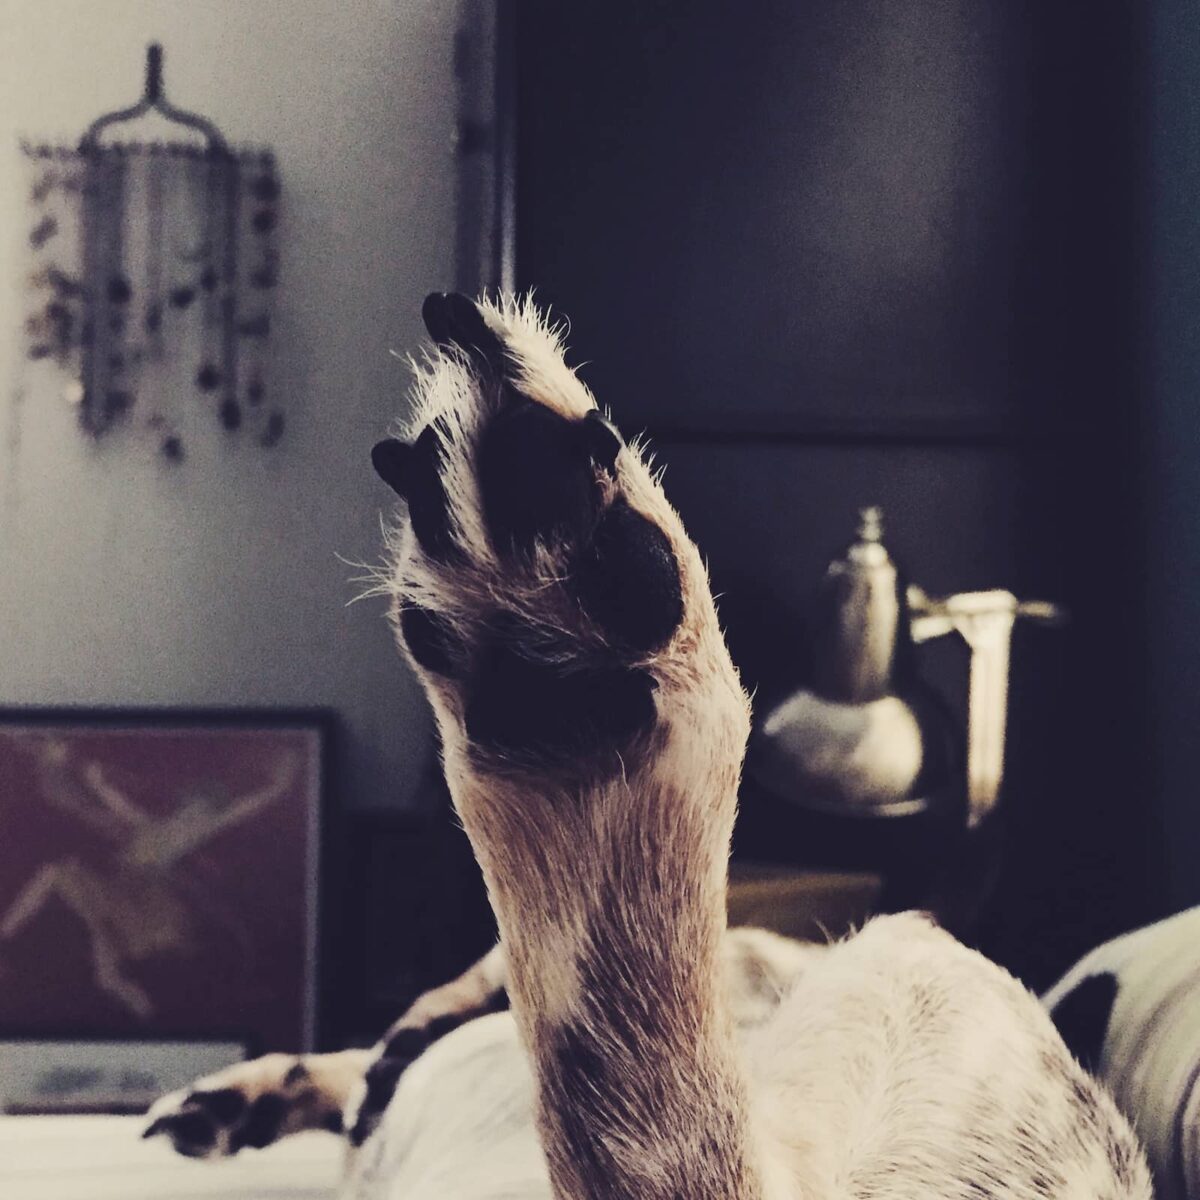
(156, 314)
(153, 100)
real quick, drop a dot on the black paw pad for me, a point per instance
(431, 642)
(414, 473)
(538, 712)
(261, 1126)
(627, 580)
(535, 477)
(191, 1131)
(453, 320)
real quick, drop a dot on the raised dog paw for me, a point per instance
(541, 578)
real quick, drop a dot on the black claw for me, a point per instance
(602, 440)
(414, 473)
(392, 460)
(435, 312)
(452, 319)
(427, 507)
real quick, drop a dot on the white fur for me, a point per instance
(473, 1089)
(901, 1066)
(897, 1065)
(868, 1079)
(1151, 1054)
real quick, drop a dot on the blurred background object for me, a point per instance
(864, 736)
(868, 740)
(152, 271)
(984, 620)
(1128, 1011)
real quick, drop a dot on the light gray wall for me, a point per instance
(126, 581)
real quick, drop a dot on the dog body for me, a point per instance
(593, 729)
(920, 1070)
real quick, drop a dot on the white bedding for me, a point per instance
(104, 1158)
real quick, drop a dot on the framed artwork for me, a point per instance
(159, 875)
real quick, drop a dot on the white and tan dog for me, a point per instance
(593, 729)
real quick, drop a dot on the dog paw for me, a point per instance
(541, 576)
(249, 1105)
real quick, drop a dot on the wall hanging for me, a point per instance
(154, 266)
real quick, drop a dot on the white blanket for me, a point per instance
(104, 1158)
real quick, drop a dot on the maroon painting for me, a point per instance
(159, 879)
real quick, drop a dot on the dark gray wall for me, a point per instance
(833, 253)
(1171, 398)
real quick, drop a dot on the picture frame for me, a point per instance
(160, 875)
(59, 1076)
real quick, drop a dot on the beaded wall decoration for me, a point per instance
(154, 267)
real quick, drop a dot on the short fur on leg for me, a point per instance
(592, 722)
(593, 729)
(759, 969)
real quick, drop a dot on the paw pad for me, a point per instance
(536, 478)
(628, 580)
(267, 1103)
(554, 712)
(569, 686)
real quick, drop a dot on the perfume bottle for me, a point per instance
(859, 609)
